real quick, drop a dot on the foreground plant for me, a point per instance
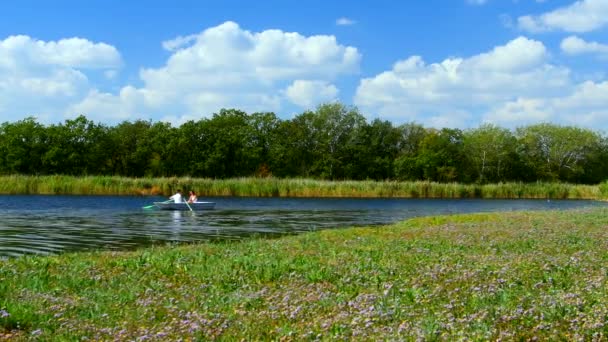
(484, 276)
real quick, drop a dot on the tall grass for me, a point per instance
(275, 187)
(500, 276)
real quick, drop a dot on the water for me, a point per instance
(55, 224)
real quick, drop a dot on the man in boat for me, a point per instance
(177, 198)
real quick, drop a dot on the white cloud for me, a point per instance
(518, 55)
(574, 45)
(454, 118)
(511, 85)
(587, 96)
(228, 67)
(221, 67)
(586, 105)
(110, 74)
(415, 90)
(308, 94)
(23, 52)
(581, 16)
(178, 42)
(40, 78)
(345, 21)
(104, 105)
(521, 111)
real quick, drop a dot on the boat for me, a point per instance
(184, 205)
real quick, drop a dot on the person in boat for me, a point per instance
(192, 198)
(177, 198)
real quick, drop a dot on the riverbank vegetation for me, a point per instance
(333, 142)
(497, 276)
(274, 187)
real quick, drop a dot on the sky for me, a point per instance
(448, 63)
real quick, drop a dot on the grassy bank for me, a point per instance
(274, 187)
(513, 276)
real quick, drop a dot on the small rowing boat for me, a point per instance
(184, 205)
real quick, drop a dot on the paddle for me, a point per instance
(154, 205)
(188, 206)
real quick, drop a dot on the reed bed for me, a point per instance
(275, 187)
(501, 276)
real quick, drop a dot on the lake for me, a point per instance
(55, 224)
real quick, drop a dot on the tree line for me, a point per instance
(333, 142)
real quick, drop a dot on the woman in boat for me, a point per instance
(192, 197)
(177, 198)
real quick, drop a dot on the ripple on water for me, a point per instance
(74, 223)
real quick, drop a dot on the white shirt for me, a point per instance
(177, 198)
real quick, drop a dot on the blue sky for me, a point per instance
(450, 63)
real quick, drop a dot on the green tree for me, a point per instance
(161, 160)
(132, 150)
(292, 151)
(22, 146)
(556, 153)
(187, 149)
(411, 136)
(594, 168)
(263, 135)
(333, 126)
(373, 150)
(229, 137)
(77, 147)
(490, 152)
(441, 155)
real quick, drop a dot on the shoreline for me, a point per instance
(297, 188)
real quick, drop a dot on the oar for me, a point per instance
(188, 206)
(154, 205)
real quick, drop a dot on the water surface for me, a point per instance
(54, 224)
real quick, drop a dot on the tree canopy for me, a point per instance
(334, 142)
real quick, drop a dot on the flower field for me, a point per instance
(513, 276)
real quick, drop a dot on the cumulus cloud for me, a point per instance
(107, 106)
(221, 67)
(23, 52)
(521, 111)
(227, 66)
(453, 118)
(308, 94)
(226, 55)
(586, 105)
(39, 78)
(511, 85)
(581, 16)
(574, 45)
(518, 55)
(415, 90)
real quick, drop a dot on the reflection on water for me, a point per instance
(53, 224)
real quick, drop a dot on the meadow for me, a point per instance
(277, 187)
(492, 276)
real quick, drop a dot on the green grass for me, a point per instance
(510, 276)
(275, 187)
